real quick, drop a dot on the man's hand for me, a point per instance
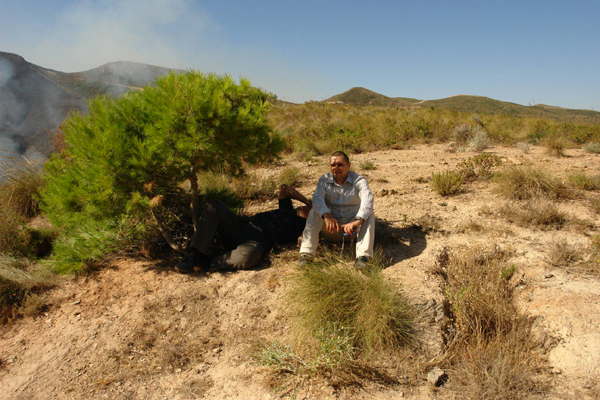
(331, 224)
(351, 227)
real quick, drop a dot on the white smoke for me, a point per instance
(7, 71)
(92, 33)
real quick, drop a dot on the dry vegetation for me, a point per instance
(331, 330)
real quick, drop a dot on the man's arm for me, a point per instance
(366, 199)
(319, 205)
(366, 206)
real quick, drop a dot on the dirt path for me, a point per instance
(138, 330)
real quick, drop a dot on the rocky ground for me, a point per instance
(138, 330)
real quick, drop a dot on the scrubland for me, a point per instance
(487, 269)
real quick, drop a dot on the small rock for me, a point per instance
(556, 371)
(179, 308)
(548, 276)
(76, 302)
(437, 377)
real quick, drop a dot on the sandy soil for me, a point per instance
(138, 330)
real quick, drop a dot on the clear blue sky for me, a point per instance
(526, 52)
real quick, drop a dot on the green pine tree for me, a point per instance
(127, 160)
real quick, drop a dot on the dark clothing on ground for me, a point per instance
(245, 240)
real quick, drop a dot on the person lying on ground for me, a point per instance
(342, 204)
(244, 240)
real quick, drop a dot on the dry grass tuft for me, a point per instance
(370, 310)
(555, 145)
(526, 182)
(20, 280)
(491, 350)
(581, 181)
(347, 322)
(564, 254)
(538, 213)
(21, 181)
(592, 147)
(525, 147)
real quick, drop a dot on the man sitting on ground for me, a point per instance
(245, 240)
(342, 204)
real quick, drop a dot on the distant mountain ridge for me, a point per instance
(34, 100)
(465, 103)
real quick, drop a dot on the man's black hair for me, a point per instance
(341, 154)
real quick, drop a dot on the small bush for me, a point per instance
(367, 165)
(11, 224)
(369, 309)
(462, 133)
(335, 356)
(446, 183)
(581, 181)
(563, 253)
(479, 141)
(18, 279)
(526, 182)
(482, 165)
(555, 145)
(595, 205)
(20, 184)
(534, 213)
(592, 147)
(525, 147)
(290, 176)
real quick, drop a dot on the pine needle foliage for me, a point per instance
(127, 159)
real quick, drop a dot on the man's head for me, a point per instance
(340, 166)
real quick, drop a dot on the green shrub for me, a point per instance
(126, 160)
(446, 183)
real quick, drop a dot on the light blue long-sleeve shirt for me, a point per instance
(351, 200)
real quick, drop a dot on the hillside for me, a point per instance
(136, 329)
(365, 97)
(34, 100)
(463, 103)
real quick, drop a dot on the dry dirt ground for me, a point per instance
(138, 330)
